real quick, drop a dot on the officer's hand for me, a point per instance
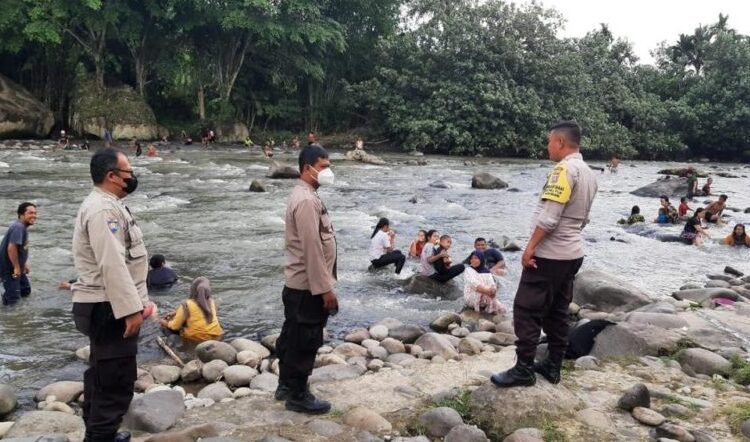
(133, 324)
(16, 272)
(329, 301)
(527, 260)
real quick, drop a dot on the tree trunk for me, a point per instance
(99, 74)
(140, 75)
(234, 62)
(201, 102)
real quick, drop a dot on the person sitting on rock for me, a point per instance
(480, 289)
(444, 270)
(416, 246)
(428, 253)
(160, 276)
(195, 319)
(707, 187)
(682, 210)
(693, 233)
(382, 247)
(635, 217)
(738, 237)
(715, 209)
(494, 260)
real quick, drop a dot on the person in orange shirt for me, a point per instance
(195, 319)
(737, 237)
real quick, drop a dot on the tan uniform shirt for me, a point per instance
(309, 242)
(564, 208)
(110, 256)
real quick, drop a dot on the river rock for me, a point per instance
(587, 363)
(278, 170)
(627, 338)
(242, 344)
(378, 332)
(365, 419)
(239, 375)
(503, 339)
(210, 350)
(647, 416)
(165, 374)
(603, 292)
(465, 433)
(349, 350)
(671, 187)
(440, 184)
(439, 421)
(375, 365)
(154, 412)
(402, 359)
(63, 391)
(505, 410)
(675, 410)
(460, 332)
(265, 382)
(362, 156)
(717, 283)
(719, 277)
(700, 361)
(358, 335)
(732, 271)
(84, 353)
(423, 285)
(4, 427)
(43, 423)
(438, 344)
(8, 400)
(672, 431)
(257, 186)
(216, 391)
(704, 296)
(393, 346)
(143, 380)
(21, 114)
(526, 435)
(189, 434)
(331, 373)
(329, 359)
(213, 370)
(594, 418)
(483, 180)
(378, 352)
(192, 371)
(470, 346)
(664, 307)
(249, 358)
(442, 322)
(661, 320)
(324, 428)
(481, 336)
(406, 333)
(635, 396)
(270, 341)
(233, 132)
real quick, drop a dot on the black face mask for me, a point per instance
(131, 184)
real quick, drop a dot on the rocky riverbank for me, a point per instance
(671, 369)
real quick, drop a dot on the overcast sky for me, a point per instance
(646, 23)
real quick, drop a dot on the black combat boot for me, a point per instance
(122, 436)
(549, 369)
(282, 392)
(300, 399)
(521, 375)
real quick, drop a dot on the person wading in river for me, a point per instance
(310, 271)
(14, 252)
(551, 260)
(110, 300)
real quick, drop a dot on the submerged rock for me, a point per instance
(671, 187)
(278, 170)
(257, 186)
(483, 180)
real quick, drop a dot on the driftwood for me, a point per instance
(169, 351)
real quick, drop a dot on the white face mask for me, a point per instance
(325, 177)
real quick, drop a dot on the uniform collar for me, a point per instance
(105, 193)
(306, 185)
(576, 155)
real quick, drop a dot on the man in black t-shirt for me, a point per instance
(14, 252)
(493, 258)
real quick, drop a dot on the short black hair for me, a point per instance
(683, 199)
(446, 236)
(570, 128)
(635, 210)
(310, 155)
(479, 239)
(102, 162)
(723, 197)
(157, 261)
(23, 206)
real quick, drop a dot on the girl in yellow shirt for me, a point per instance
(195, 319)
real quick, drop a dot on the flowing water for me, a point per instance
(194, 208)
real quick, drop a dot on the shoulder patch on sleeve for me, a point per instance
(113, 225)
(557, 187)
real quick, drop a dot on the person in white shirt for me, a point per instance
(382, 250)
(428, 253)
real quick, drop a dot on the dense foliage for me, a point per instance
(461, 77)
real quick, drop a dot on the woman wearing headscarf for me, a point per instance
(480, 290)
(195, 319)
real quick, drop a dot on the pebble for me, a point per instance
(648, 416)
(393, 346)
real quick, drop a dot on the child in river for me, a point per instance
(444, 271)
(416, 246)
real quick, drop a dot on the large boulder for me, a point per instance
(662, 320)
(635, 339)
(120, 108)
(701, 361)
(504, 410)
(364, 157)
(423, 285)
(669, 186)
(682, 172)
(278, 170)
(210, 350)
(22, 115)
(64, 391)
(705, 296)
(43, 423)
(603, 292)
(438, 344)
(8, 400)
(232, 132)
(155, 412)
(483, 180)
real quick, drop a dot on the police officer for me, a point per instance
(310, 272)
(551, 260)
(110, 299)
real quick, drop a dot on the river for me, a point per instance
(194, 207)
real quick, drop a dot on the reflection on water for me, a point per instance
(193, 207)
